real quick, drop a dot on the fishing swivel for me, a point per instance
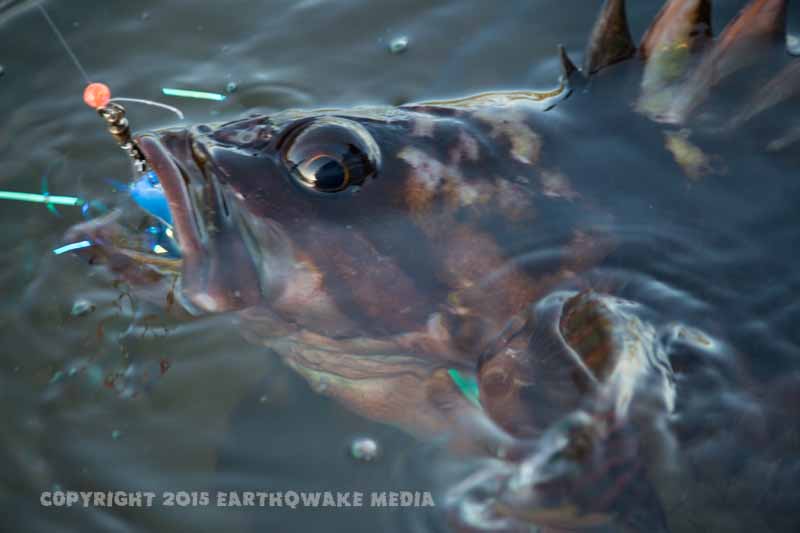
(114, 115)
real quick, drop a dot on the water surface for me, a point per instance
(123, 398)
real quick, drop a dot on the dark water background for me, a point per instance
(120, 400)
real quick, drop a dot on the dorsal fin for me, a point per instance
(783, 86)
(568, 68)
(611, 40)
(680, 28)
(761, 22)
(679, 23)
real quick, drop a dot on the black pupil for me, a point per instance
(330, 176)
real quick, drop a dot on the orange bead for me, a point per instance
(96, 95)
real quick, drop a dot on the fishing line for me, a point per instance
(97, 94)
(146, 190)
(64, 43)
(149, 102)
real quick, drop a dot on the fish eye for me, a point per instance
(324, 173)
(330, 155)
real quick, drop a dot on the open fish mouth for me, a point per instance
(230, 259)
(224, 258)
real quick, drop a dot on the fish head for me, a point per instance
(369, 220)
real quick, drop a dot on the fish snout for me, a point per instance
(232, 259)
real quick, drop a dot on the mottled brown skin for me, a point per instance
(409, 276)
(372, 295)
(415, 267)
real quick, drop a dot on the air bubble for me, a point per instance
(82, 307)
(364, 449)
(398, 45)
(792, 43)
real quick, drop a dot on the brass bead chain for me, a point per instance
(114, 116)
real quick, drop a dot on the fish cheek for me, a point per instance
(344, 238)
(366, 285)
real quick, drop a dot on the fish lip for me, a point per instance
(174, 185)
(222, 266)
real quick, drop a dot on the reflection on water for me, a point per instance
(105, 392)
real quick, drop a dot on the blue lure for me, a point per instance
(161, 242)
(148, 194)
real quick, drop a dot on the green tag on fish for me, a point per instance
(468, 386)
